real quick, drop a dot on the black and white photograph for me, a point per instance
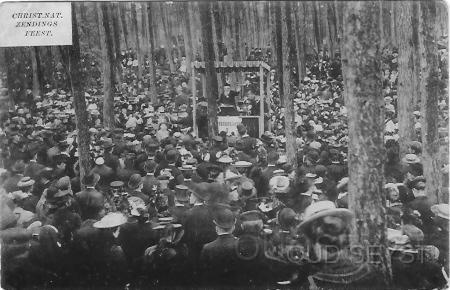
(224, 145)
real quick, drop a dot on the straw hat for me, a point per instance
(321, 209)
(111, 220)
(25, 182)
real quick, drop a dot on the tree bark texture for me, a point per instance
(108, 67)
(364, 100)
(429, 103)
(151, 56)
(37, 71)
(289, 119)
(76, 79)
(123, 19)
(210, 71)
(406, 87)
(136, 37)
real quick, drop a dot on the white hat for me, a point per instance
(242, 163)
(441, 210)
(279, 184)
(282, 159)
(411, 159)
(321, 209)
(318, 180)
(111, 220)
(315, 145)
(311, 175)
(100, 161)
(225, 159)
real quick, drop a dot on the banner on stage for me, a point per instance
(35, 24)
(229, 124)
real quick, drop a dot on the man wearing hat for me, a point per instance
(180, 209)
(199, 227)
(111, 160)
(227, 102)
(17, 169)
(219, 258)
(149, 181)
(421, 203)
(253, 265)
(327, 227)
(90, 200)
(105, 172)
(25, 185)
(135, 186)
(168, 165)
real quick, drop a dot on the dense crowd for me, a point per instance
(161, 207)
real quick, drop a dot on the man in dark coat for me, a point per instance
(90, 201)
(180, 209)
(219, 258)
(111, 160)
(17, 169)
(106, 173)
(199, 227)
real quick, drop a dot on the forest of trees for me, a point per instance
(290, 33)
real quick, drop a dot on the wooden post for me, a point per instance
(194, 101)
(261, 100)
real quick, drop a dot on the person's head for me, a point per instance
(272, 157)
(392, 192)
(224, 220)
(226, 89)
(417, 186)
(327, 229)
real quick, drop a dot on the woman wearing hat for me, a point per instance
(327, 230)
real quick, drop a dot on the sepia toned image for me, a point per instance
(224, 145)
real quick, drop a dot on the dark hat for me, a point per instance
(181, 192)
(253, 215)
(108, 143)
(90, 179)
(18, 167)
(224, 218)
(171, 156)
(287, 218)
(135, 181)
(201, 190)
(247, 189)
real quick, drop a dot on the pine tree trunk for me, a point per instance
(114, 14)
(429, 103)
(300, 40)
(76, 79)
(193, 31)
(405, 88)
(37, 71)
(210, 71)
(151, 56)
(108, 67)
(363, 87)
(416, 53)
(166, 38)
(187, 38)
(278, 47)
(123, 19)
(136, 38)
(217, 38)
(318, 36)
(289, 119)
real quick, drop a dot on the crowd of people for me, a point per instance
(161, 207)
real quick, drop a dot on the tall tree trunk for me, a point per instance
(187, 37)
(210, 71)
(76, 80)
(300, 40)
(193, 31)
(37, 71)
(151, 56)
(217, 38)
(114, 14)
(166, 38)
(278, 47)
(9, 64)
(289, 119)
(136, 37)
(429, 103)
(405, 88)
(386, 15)
(363, 87)
(123, 19)
(416, 53)
(108, 66)
(318, 36)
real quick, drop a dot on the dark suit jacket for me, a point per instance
(111, 161)
(219, 261)
(199, 228)
(179, 213)
(90, 202)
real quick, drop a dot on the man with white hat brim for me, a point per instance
(322, 209)
(111, 220)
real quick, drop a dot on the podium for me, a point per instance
(229, 124)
